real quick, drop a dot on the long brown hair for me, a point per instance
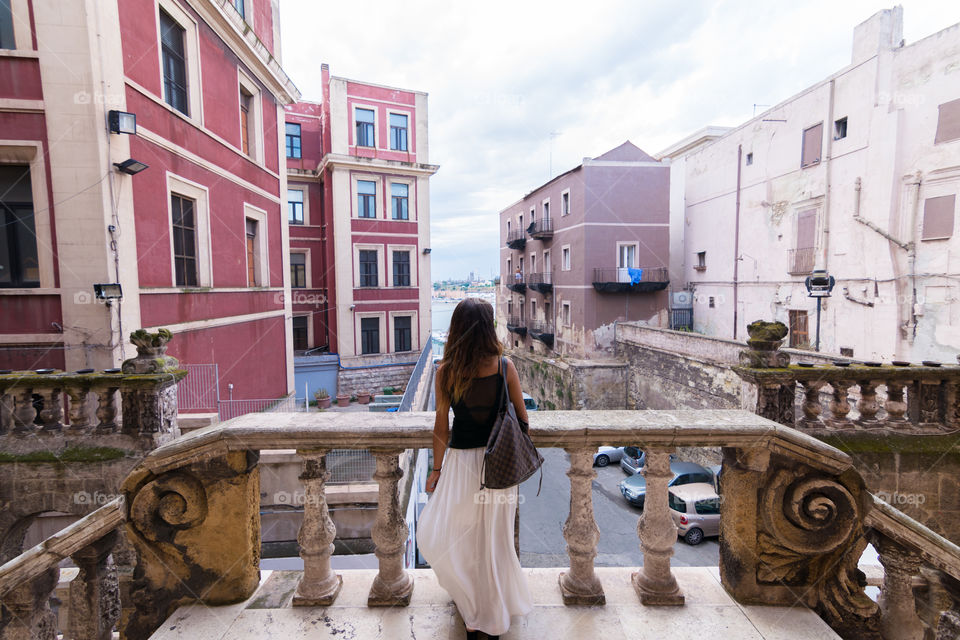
(471, 339)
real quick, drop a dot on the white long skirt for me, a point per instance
(466, 534)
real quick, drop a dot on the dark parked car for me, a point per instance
(634, 488)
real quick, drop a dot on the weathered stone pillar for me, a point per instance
(51, 415)
(79, 418)
(29, 608)
(150, 402)
(319, 586)
(24, 412)
(840, 404)
(655, 583)
(580, 585)
(899, 619)
(868, 405)
(895, 406)
(95, 592)
(392, 586)
(107, 409)
(811, 403)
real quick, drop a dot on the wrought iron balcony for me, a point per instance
(517, 239)
(543, 332)
(541, 229)
(802, 260)
(629, 280)
(516, 284)
(515, 324)
(540, 282)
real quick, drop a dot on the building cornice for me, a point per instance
(336, 160)
(232, 29)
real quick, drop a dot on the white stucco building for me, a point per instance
(859, 175)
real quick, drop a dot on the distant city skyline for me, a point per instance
(556, 90)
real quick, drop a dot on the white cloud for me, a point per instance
(503, 75)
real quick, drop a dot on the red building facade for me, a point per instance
(197, 239)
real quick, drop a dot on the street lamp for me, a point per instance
(819, 285)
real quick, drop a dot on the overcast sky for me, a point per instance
(509, 82)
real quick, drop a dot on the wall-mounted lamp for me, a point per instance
(427, 251)
(109, 291)
(131, 167)
(122, 122)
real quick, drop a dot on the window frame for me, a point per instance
(307, 284)
(953, 217)
(191, 54)
(262, 248)
(14, 210)
(254, 117)
(289, 137)
(545, 209)
(377, 204)
(566, 313)
(380, 317)
(804, 161)
(414, 331)
(308, 327)
(32, 153)
(411, 251)
(303, 205)
(565, 205)
(201, 197)
(566, 258)
(357, 123)
(406, 130)
(357, 248)
(394, 199)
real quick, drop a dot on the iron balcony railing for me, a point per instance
(515, 324)
(517, 239)
(542, 282)
(541, 229)
(630, 280)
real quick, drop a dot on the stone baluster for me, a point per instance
(6, 412)
(840, 404)
(319, 586)
(951, 398)
(777, 401)
(655, 584)
(51, 415)
(811, 403)
(894, 405)
(24, 413)
(930, 408)
(106, 409)
(580, 585)
(898, 607)
(392, 586)
(913, 401)
(29, 611)
(79, 417)
(95, 592)
(868, 405)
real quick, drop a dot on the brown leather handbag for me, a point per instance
(510, 456)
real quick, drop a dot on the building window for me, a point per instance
(948, 121)
(252, 253)
(799, 335)
(300, 333)
(938, 217)
(293, 140)
(365, 128)
(399, 196)
(7, 41)
(184, 240)
(701, 261)
(749, 158)
(565, 259)
(840, 129)
(174, 63)
(366, 199)
(246, 105)
(401, 268)
(812, 144)
(711, 302)
(547, 267)
(19, 263)
(368, 268)
(398, 132)
(546, 210)
(298, 270)
(369, 335)
(533, 310)
(804, 252)
(295, 206)
(565, 315)
(565, 203)
(402, 333)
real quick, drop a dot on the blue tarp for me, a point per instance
(636, 275)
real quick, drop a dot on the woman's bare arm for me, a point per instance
(516, 393)
(441, 432)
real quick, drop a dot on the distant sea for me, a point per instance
(442, 310)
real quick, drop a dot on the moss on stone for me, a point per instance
(887, 442)
(70, 454)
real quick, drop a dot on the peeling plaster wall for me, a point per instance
(574, 384)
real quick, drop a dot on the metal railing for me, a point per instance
(229, 409)
(622, 275)
(681, 319)
(413, 385)
(802, 260)
(200, 390)
(541, 227)
(516, 237)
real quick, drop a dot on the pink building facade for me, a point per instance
(359, 214)
(587, 249)
(196, 239)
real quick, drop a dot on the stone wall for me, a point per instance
(572, 384)
(349, 381)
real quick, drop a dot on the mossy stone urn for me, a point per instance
(151, 353)
(764, 342)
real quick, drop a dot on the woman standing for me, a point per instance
(466, 533)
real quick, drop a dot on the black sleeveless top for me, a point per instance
(475, 413)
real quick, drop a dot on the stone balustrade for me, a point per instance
(796, 518)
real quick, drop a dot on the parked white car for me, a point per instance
(606, 455)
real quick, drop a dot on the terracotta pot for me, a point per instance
(343, 400)
(323, 403)
(363, 398)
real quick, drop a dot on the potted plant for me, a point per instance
(343, 399)
(363, 397)
(323, 399)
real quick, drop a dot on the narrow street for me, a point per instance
(542, 518)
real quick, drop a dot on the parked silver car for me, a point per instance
(606, 455)
(633, 460)
(695, 509)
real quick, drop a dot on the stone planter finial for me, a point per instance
(764, 342)
(151, 353)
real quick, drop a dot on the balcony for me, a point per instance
(516, 284)
(624, 280)
(517, 239)
(543, 332)
(515, 324)
(795, 517)
(540, 282)
(541, 229)
(802, 261)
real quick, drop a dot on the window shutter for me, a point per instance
(812, 143)
(938, 217)
(948, 122)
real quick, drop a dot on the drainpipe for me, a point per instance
(912, 261)
(826, 188)
(736, 240)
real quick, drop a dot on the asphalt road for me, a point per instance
(542, 518)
